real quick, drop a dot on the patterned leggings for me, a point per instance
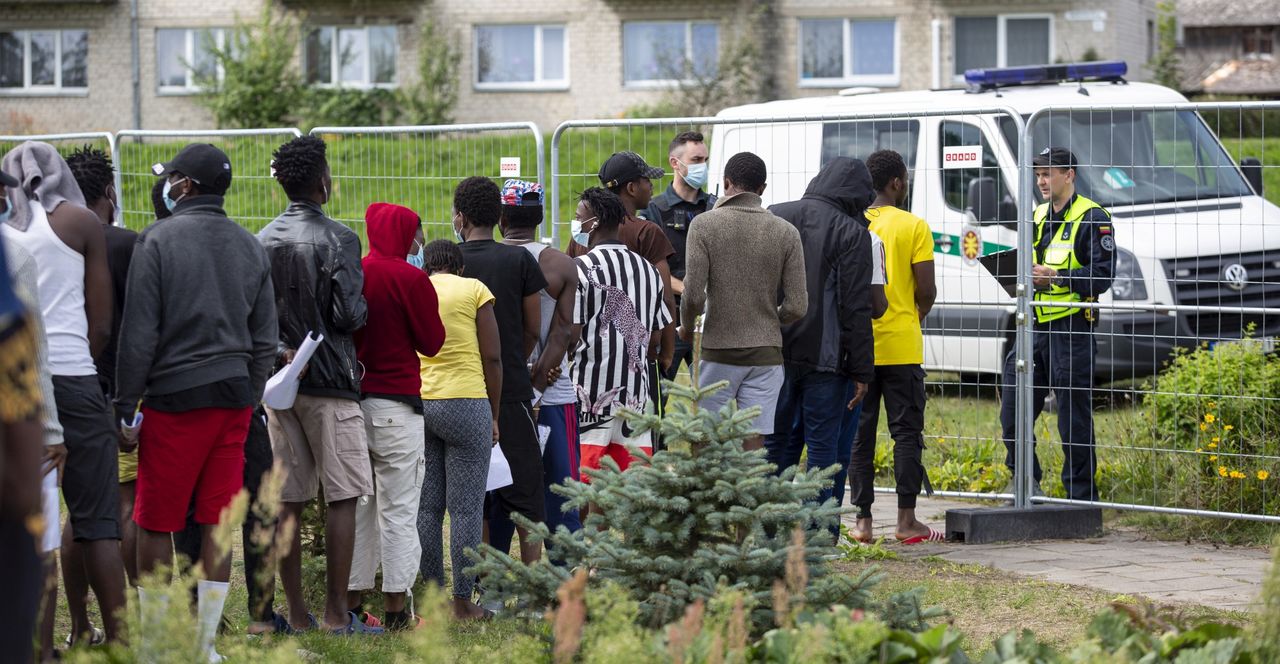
(458, 441)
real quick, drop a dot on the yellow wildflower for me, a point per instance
(1222, 471)
(1227, 427)
(1203, 426)
(1213, 444)
(1237, 475)
(1208, 417)
(1262, 474)
(1212, 405)
(1213, 457)
(1199, 450)
(941, 440)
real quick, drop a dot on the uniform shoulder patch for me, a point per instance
(1108, 242)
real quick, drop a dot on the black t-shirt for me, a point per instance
(674, 215)
(120, 243)
(511, 273)
(229, 393)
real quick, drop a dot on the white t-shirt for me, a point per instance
(878, 276)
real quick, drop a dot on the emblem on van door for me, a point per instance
(1235, 276)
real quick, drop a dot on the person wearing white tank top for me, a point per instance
(73, 284)
(555, 397)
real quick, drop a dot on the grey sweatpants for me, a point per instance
(459, 436)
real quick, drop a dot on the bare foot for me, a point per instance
(911, 529)
(861, 532)
(465, 609)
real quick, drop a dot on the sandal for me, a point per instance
(933, 536)
(354, 626)
(370, 620)
(282, 625)
(96, 637)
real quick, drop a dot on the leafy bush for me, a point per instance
(346, 107)
(431, 98)
(260, 85)
(1219, 404)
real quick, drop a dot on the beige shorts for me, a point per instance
(321, 441)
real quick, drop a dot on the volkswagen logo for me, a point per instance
(1235, 277)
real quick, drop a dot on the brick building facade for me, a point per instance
(70, 66)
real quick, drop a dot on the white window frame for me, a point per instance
(1002, 38)
(189, 54)
(875, 80)
(538, 83)
(665, 83)
(335, 58)
(56, 89)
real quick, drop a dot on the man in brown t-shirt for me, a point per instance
(627, 175)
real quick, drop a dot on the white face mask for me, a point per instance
(696, 175)
(457, 232)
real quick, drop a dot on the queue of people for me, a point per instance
(430, 354)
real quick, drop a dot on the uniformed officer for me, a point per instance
(674, 210)
(1074, 261)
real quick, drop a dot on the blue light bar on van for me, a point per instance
(1078, 71)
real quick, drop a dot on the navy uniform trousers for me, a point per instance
(1063, 353)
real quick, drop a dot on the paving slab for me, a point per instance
(1121, 561)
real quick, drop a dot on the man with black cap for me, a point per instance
(196, 344)
(631, 178)
(1074, 261)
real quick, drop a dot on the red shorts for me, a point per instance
(609, 439)
(199, 452)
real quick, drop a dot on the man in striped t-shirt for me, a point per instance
(620, 299)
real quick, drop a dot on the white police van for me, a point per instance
(1190, 225)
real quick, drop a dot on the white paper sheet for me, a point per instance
(282, 388)
(52, 537)
(130, 431)
(499, 470)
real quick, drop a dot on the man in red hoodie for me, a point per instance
(404, 320)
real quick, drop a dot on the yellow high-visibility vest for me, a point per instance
(1060, 254)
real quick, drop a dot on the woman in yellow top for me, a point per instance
(461, 389)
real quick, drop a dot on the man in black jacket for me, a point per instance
(833, 343)
(315, 264)
(197, 341)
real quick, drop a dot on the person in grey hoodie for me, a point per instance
(197, 341)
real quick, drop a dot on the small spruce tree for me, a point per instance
(700, 517)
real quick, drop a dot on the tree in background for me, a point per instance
(430, 100)
(1164, 66)
(259, 84)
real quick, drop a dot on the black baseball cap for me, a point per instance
(623, 167)
(201, 162)
(1056, 158)
(8, 180)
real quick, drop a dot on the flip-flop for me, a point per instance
(933, 536)
(96, 637)
(370, 620)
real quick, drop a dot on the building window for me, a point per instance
(848, 51)
(1257, 43)
(185, 57)
(1008, 40)
(521, 57)
(352, 57)
(667, 52)
(955, 181)
(44, 60)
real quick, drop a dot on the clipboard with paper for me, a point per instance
(1003, 265)
(282, 388)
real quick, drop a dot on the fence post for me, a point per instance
(1024, 358)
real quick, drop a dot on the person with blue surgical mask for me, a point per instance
(674, 211)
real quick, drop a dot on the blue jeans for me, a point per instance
(814, 403)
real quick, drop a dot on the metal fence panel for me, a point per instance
(419, 166)
(971, 328)
(253, 200)
(1186, 394)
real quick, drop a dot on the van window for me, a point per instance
(955, 181)
(858, 139)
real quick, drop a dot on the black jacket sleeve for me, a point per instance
(853, 295)
(1096, 248)
(349, 307)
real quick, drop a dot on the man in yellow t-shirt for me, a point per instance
(899, 377)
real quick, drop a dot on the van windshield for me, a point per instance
(1133, 157)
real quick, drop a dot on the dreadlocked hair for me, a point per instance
(605, 205)
(443, 256)
(91, 168)
(299, 165)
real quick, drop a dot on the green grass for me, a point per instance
(1268, 151)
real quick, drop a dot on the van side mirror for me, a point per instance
(1252, 169)
(982, 201)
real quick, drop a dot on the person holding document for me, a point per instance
(197, 341)
(1074, 261)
